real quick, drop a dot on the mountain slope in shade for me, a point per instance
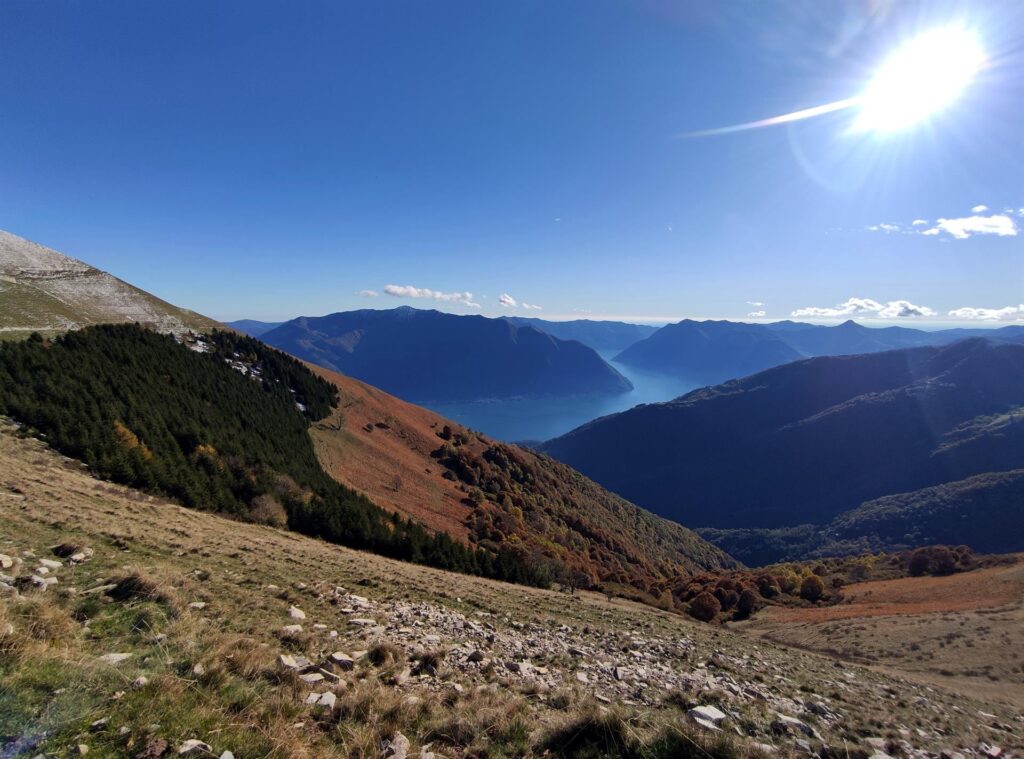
(803, 442)
(388, 449)
(985, 512)
(252, 327)
(432, 356)
(709, 351)
(714, 351)
(42, 290)
(599, 335)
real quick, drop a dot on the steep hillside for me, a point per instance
(417, 463)
(709, 351)
(807, 441)
(221, 423)
(156, 625)
(714, 351)
(985, 512)
(599, 335)
(44, 291)
(432, 356)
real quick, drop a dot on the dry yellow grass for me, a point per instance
(219, 592)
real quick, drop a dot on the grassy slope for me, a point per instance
(380, 445)
(52, 685)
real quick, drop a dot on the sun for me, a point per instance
(920, 79)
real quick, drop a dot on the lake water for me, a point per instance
(545, 418)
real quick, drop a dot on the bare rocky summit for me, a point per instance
(42, 290)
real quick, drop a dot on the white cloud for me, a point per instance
(755, 303)
(532, 307)
(506, 301)
(368, 293)
(979, 209)
(887, 228)
(899, 309)
(1010, 313)
(919, 222)
(894, 309)
(408, 291)
(757, 314)
(961, 229)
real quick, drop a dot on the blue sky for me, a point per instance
(270, 159)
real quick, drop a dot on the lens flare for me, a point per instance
(920, 79)
(917, 81)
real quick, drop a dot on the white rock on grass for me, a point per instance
(325, 700)
(296, 613)
(342, 661)
(194, 746)
(397, 747)
(707, 716)
(114, 658)
(296, 662)
(6, 562)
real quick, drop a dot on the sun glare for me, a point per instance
(920, 79)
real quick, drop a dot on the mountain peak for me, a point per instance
(42, 290)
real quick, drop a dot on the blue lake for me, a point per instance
(545, 418)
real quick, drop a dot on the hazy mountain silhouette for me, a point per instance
(433, 356)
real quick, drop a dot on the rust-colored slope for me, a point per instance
(380, 445)
(497, 496)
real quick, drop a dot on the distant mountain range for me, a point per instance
(715, 351)
(603, 336)
(44, 291)
(433, 356)
(252, 327)
(807, 441)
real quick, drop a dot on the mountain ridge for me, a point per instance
(430, 356)
(716, 351)
(43, 290)
(809, 440)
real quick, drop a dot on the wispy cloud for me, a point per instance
(1010, 313)
(755, 303)
(893, 309)
(507, 301)
(757, 314)
(368, 293)
(958, 228)
(408, 291)
(968, 226)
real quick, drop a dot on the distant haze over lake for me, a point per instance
(544, 418)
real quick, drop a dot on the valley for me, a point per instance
(538, 419)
